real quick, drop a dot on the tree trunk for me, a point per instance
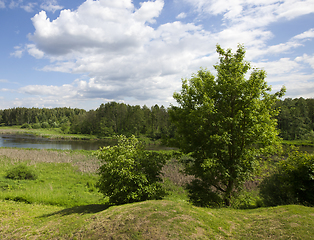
(227, 197)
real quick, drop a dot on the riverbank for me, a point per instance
(52, 133)
(57, 139)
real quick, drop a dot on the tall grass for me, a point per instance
(63, 179)
(53, 133)
(68, 178)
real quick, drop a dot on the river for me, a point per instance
(31, 141)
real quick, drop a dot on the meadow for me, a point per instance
(53, 133)
(63, 203)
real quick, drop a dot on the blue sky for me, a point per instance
(75, 53)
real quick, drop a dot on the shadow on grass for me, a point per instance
(86, 209)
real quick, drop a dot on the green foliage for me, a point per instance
(292, 182)
(129, 173)
(295, 119)
(36, 125)
(26, 125)
(225, 124)
(108, 120)
(21, 172)
(45, 125)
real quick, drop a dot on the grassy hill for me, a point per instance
(162, 219)
(62, 203)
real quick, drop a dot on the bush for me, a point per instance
(36, 125)
(45, 125)
(21, 172)
(54, 125)
(129, 173)
(291, 183)
(26, 125)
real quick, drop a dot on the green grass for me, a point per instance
(298, 142)
(53, 133)
(63, 203)
(57, 184)
(162, 219)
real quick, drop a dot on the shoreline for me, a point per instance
(49, 134)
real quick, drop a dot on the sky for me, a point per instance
(80, 54)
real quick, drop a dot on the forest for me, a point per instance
(295, 120)
(109, 119)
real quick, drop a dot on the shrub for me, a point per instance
(291, 183)
(54, 125)
(21, 172)
(45, 125)
(26, 125)
(129, 173)
(36, 125)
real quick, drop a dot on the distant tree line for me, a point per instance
(107, 120)
(295, 120)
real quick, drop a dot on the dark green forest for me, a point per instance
(295, 120)
(107, 120)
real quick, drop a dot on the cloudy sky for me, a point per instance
(77, 53)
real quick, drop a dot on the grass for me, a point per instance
(53, 133)
(63, 203)
(162, 219)
(64, 179)
(298, 142)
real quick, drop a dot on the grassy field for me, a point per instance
(63, 203)
(65, 178)
(162, 219)
(54, 133)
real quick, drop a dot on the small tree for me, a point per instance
(224, 124)
(129, 173)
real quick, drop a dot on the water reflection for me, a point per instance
(30, 141)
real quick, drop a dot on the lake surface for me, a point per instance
(30, 141)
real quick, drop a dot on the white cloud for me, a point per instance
(149, 11)
(307, 59)
(29, 7)
(2, 4)
(122, 54)
(14, 4)
(51, 6)
(4, 90)
(181, 15)
(4, 81)
(33, 51)
(126, 54)
(44, 90)
(254, 13)
(279, 67)
(305, 35)
(18, 52)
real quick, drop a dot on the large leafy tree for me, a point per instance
(224, 123)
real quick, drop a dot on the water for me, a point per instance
(30, 141)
